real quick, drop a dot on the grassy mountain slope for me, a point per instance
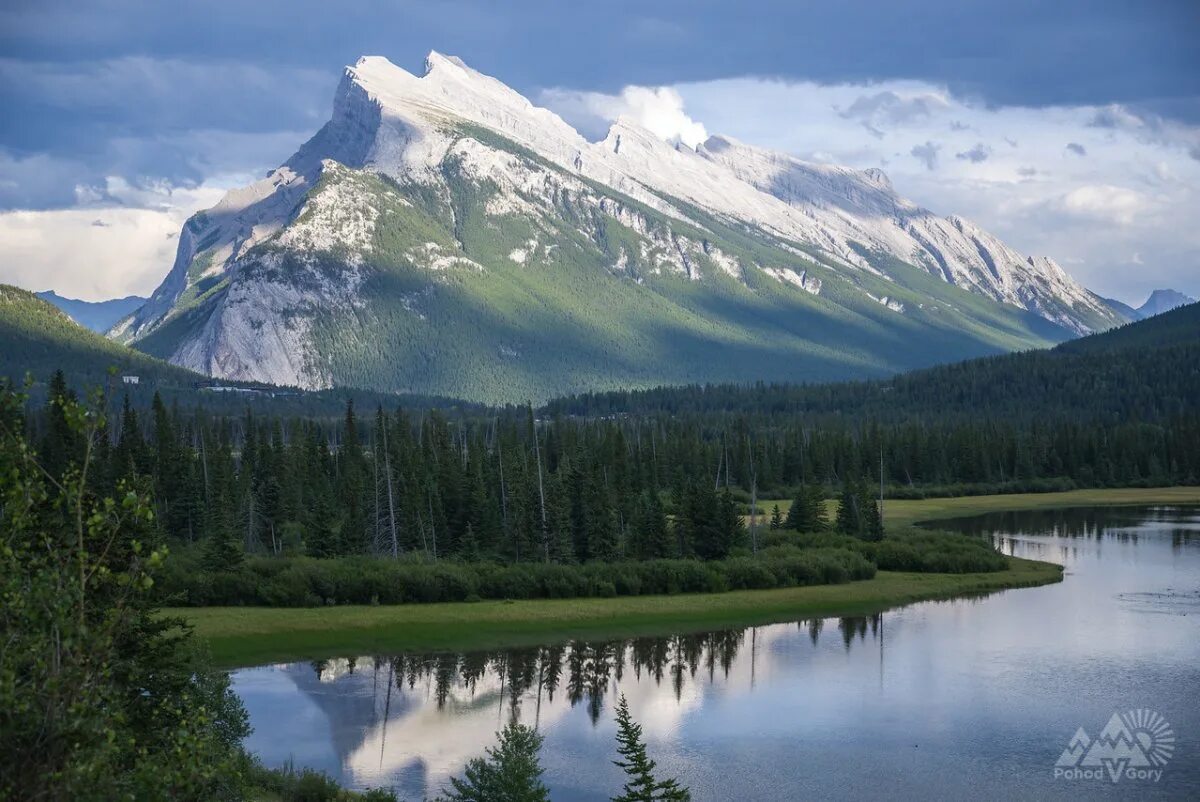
(38, 337)
(1145, 372)
(475, 286)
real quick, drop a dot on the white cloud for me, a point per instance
(658, 109)
(122, 240)
(1104, 204)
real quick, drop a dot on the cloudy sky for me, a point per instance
(1070, 129)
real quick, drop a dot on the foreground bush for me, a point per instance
(914, 550)
(100, 697)
(309, 582)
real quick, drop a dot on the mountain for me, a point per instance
(37, 337)
(99, 316)
(440, 234)
(1163, 301)
(1124, 310)
(1146, 372)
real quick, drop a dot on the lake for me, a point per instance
(976, 697)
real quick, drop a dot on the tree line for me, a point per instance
(515, 488)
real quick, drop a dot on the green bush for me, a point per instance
(913, 550)
(310, 582)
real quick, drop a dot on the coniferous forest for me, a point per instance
(652, 498)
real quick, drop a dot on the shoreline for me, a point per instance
(248, 636)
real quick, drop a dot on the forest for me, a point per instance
(514, 504)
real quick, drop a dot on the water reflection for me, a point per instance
(938, 699)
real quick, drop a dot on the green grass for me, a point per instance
(903, 512)
(900, 513)
(252, 635)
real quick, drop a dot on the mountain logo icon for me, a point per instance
(1134, 744)
(1075, 750)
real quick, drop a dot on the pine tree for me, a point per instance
(849, 514)
(511, 771)
(872, 523)
(807, 513)
(640, 784)
(776, 518)
(651, 537)
(63, 444)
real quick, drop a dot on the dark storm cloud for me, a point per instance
(1024, 52)
(927, 154)
(121, 85)
(891, 107)
(977, 154)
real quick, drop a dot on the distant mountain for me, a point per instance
(37, 337)
(1163, 301)
(99, 316)
(1125, 310)
(440, 234)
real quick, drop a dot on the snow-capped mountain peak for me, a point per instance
(397, 142)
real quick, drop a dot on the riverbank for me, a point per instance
(904, 512)
(240, 636)
(250, 635)
(899, 513)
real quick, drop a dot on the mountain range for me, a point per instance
(99, 316)
(441, 234)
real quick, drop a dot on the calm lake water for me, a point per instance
(972, 698)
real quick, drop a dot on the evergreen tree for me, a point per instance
(63, 444)
(849, 511)
(807, 513)
(872, 527)
(776, 518)
(651, 537)
(511, 771)
(640, 784)
(222, 551)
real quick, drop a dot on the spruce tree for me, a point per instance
(776, 518)
(849, 516)
(872, 518)
(511, 771)
(807, 513)
(651, 535)
(819, 519)
(63, 445)
(640, 784)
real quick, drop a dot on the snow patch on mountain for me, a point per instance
(342, 215)
(801, 280)
(889, 302)
(435, 257)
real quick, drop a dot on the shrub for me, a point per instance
(790, 559)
